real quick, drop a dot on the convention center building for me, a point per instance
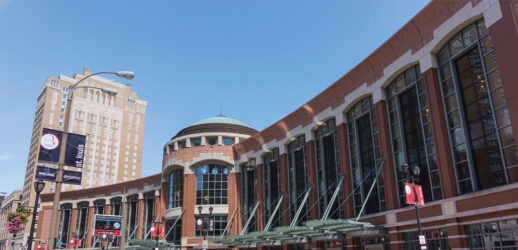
(431, 111)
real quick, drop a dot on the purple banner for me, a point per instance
(72, 177)
(50, 142)
(75, 150)
(46, 174)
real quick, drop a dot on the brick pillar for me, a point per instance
(440, 134)
(389, 179)
(140, 217)
(344, 168)
(189, 203)
(107, 209)
(259, 197)
(89, 223)
(312, 179)
(397, 240)
(73, 225)
(233, 202)
(284, 209)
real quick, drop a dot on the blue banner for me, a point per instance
(46, 174)
(72, 177)
(50, 144)
(75, 150)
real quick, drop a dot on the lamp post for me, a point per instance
(157, 230)
(205, 220)
(38, 187)
(61, 162)
(414, 174)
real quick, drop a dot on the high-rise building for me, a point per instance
(113, 125)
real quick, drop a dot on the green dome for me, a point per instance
(220, 119)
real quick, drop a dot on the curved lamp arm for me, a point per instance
(125, 74)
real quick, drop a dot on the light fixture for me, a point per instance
(126, 74)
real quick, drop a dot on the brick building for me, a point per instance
(438, 95)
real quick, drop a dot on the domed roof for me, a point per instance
(221, 119)
(216, 124)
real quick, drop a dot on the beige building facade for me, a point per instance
(9, 204)
(113, 125)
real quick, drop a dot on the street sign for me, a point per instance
(205, 244)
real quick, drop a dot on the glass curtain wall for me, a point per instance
(272, 186)
(248, 198)
(483, 146)
(411, 133)
(297, 178)
(64, 225)
(365, 157)
(328, 168)
(211, 184)
(176, 189)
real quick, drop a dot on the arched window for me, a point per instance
(411, 133)
(297, 177)
(328, 168)
(211, 184)
(483, 146)
(365, 157)
(272, 186)
(176, 188)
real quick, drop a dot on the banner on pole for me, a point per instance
(72, 177)
(75, 150)
(50, 142)
(410, 195)
(46, 174)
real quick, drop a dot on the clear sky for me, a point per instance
(258, 60)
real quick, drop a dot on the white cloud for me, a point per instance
(5, 156)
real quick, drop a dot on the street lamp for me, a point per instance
(157, 230)
(204, 221)
(414, 174)
(61, 163)
(38, 187)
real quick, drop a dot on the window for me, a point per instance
(220, 223)
(435, 239)
(64, 222)
(483, 146)
(99, 206)
(176, 188)
(228, 141)
(328, 168)
(411, 133)
(132, 215)
(175, 235)
(365, 157)
(272, 186)
(149, 211)
(248, 190)
(211, 184)
(212, 140)
(82, 219)
(493, 235)
(195, 142)
(297, 178)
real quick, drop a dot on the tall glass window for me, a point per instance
(483, 146)
(328, 168)
(411, 133)
(116, 205)
(272, 186)
(99, 206)
(248, 198)
(175, 235)
(82, 219)
(149, 211)
(211, 184)
(365, 157)
(176, 189)
(297, 177)
(64, 223)
(132, 216)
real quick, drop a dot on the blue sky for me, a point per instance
(258, 60)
